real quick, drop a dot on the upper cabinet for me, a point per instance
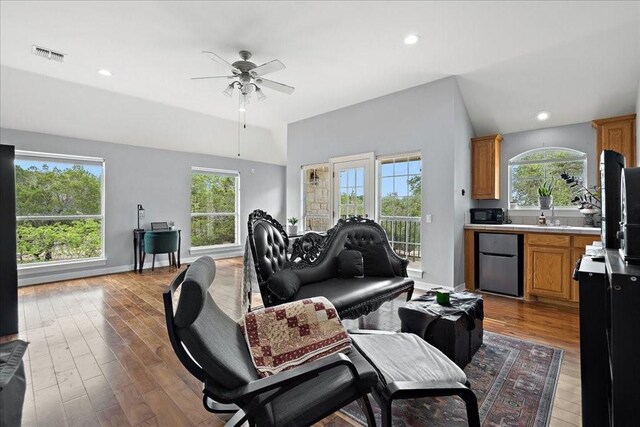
(617, 134)
(485, 167)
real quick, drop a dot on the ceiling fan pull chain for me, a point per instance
(239, 113)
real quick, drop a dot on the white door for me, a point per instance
(352, 188)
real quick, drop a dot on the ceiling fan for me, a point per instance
(248, 77)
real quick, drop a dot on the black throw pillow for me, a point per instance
(350, 264)
(375, 258)
(284, 284)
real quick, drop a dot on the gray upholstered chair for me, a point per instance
(217, 354)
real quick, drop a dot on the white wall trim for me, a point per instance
(79, 274)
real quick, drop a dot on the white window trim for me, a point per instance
(415, 273)
(209, 248)
(378, 178)
(43, 267)
(370, 158)
(532, 210)
(303, 214)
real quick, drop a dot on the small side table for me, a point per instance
(455, 329)
(138, 240)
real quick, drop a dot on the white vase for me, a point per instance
(292, 230)
(545, 202)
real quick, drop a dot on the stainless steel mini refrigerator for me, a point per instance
(500, 263)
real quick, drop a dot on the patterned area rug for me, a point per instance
(514, 382)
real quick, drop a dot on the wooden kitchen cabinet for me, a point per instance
(549, 271)
(485, 167)
(617, 134)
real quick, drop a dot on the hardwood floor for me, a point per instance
(99, 352)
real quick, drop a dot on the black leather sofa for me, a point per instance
(314, 262)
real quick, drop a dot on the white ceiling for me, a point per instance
(579, 60)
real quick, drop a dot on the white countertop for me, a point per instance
(565, 229)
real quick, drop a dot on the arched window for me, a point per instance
(527, 171)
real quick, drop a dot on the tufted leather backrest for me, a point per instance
(270, 248)
(352, 234)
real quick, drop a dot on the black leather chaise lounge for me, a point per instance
(314, 262)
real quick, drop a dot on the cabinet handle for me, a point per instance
(617, 287)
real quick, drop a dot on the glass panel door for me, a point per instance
(352, 191)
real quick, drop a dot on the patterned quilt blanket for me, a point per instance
(288, 335)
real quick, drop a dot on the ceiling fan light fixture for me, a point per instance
(260, 94)
(229, 90)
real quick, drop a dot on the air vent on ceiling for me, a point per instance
(47, 53)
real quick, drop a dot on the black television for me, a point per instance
(611, 165)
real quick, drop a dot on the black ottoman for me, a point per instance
(455, 329)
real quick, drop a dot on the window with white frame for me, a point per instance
(529, 170)
(59, 208)
(400, 203)
(215, 200)
(316, 198)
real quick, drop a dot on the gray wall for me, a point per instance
(158, 179)
(580, 136)
(463, 132)
(416, 119)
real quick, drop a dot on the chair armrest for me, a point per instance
(369, 332)
(417, 389)
(293, 377)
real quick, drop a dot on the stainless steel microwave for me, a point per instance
(487, 216)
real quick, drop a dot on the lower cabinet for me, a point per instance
(550, 262)
(549, 272)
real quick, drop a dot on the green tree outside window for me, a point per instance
(529, 170)
(59, 210)
(213, 209)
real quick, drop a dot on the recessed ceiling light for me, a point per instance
(104, 72)
(543, 115)
(411, 39)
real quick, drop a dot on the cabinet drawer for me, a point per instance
(548, 240)
(581, 241)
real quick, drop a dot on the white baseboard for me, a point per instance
(81, 273)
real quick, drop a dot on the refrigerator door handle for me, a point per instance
(500, 255)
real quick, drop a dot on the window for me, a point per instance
(527, 171)
(400, 204)
(60, 208)
(316, 198)
(215, 200)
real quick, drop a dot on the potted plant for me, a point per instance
(293, 226)
(545, 194)
(588, 200)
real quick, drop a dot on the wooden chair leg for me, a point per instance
(365, 405)
(153, 262)
(471, 402)
(386, 414)
(409, 294)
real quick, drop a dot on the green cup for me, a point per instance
(442, 297)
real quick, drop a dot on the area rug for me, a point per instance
(514, 381)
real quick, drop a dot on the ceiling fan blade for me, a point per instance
(280, 87)
(268, 67)
(217, 58)
(212, 77)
